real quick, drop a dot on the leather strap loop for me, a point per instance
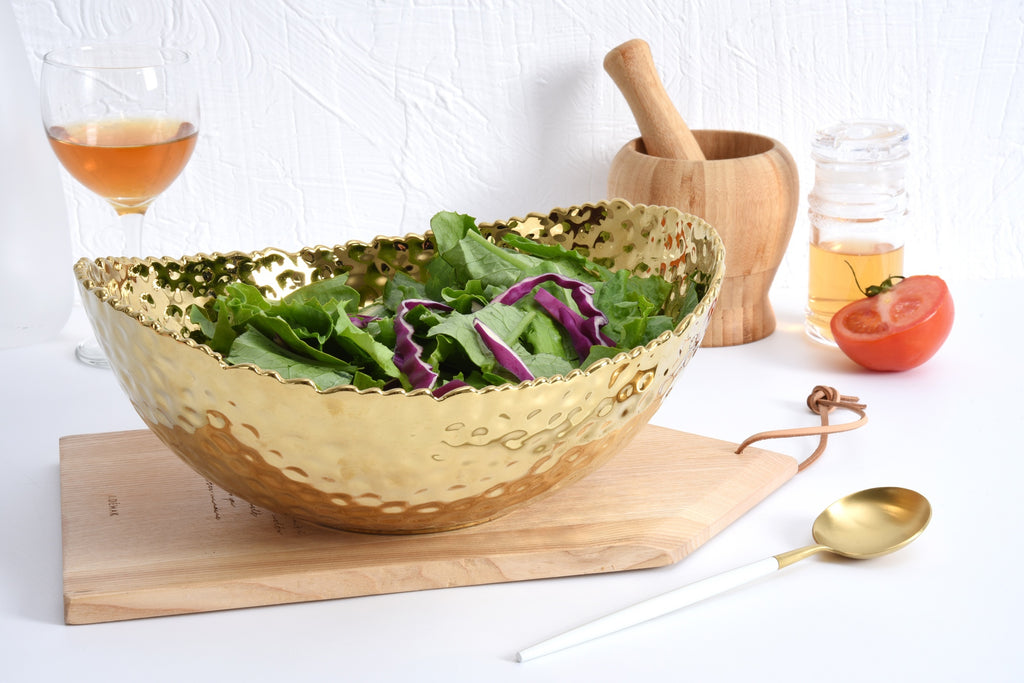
(822, 401)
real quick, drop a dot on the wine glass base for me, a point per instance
(89, 352)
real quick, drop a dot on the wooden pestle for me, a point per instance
(664, 132)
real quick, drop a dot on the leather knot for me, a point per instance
(822, 395)
(821, 401)
(824, 399)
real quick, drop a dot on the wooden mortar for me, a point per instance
(747, 189)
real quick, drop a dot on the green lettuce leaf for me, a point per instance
(253, 347)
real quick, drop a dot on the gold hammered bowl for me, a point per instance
(393, 461)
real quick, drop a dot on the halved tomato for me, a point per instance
(899, 328)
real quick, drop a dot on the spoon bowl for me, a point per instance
(862, 525)
(872, 522)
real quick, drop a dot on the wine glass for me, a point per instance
(123, 120)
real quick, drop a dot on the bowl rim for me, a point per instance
(717, 274)
(633, 147)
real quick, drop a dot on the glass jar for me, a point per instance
(857, 211)
(35, 243)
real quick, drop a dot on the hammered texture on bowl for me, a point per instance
(395, 461)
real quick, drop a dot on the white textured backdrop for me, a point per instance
(325, 121)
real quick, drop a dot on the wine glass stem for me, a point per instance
(131, 227)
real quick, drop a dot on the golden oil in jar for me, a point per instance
(832, 284)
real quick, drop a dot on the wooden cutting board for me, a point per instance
(146, 536)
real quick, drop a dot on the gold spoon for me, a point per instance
(861, 525)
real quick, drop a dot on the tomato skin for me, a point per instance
(898, 329)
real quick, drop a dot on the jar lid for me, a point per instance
(861, 142)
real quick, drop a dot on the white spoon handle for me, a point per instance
(653, 607)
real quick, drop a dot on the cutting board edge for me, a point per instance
(97, 606)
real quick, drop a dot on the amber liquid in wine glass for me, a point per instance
(128, 162)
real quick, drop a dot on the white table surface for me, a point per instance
(946, 608)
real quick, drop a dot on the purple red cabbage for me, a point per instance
(450, 385)
(503, 353)
(584, 328)
(568, 318)
(409, 354)
(361, 321)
